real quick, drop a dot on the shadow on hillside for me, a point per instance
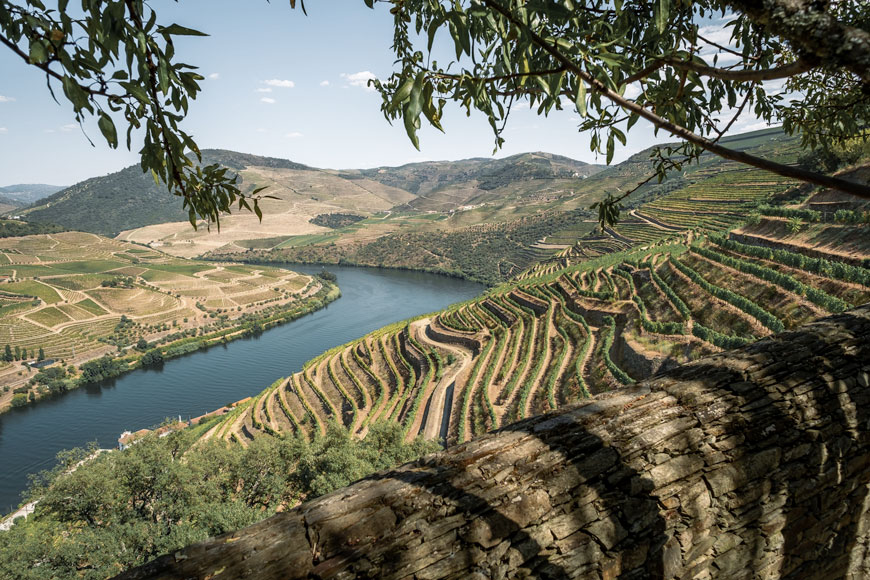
(798, 520)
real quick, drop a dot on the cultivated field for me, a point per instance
(66, 293)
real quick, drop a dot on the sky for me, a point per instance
(281, 84)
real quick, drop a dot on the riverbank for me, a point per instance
(196, 384)
(103, 366)
(264, 259)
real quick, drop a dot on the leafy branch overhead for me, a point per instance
(112, 59)
(618, 62)
(614, 62)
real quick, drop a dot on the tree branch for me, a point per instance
(851, 187)
(812, 31)
(787, 70)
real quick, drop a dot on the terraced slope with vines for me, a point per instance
(556, 337)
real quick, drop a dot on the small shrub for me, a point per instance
(795, 225)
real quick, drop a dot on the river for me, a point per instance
(189, 386)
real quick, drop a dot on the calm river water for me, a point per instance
(195, 384)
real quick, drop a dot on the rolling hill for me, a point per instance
(500, 236)
(303, 191)
(28, 193)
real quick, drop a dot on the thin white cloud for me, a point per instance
(293, 134)
(280, 83)
(261, 130)
(264, 90)
(3, 130)
(632, 91)
(69, 127)
(214, 76)
(359, 79)
(268, 100)
(5, 99)
(324, 83)
(747, 127)
(720, 34)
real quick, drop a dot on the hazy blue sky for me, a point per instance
(280, 84)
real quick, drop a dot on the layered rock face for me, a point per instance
(749, 464)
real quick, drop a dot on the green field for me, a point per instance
(308, 240)
(32, 288)
(83, 276)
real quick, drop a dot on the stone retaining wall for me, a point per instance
(537, 306)
(499, 312)
(748, 464)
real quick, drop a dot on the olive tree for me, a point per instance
(615, 62)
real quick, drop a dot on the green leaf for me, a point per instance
(403, 92)
(107, 128)
(177, 30)
(136, 91)
(38, 54)
(580, 97)
(661, 14)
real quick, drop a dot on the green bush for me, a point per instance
(19, 400)
(717, 338)
(793, 214)
(845, 216)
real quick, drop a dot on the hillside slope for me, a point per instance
(136, 201)
(561, 335)
(128, 198)
(27, 193)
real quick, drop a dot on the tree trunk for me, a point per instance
(748, 464)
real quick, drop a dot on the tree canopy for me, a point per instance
(614, 62)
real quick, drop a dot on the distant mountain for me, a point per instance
(498, 189)
(445, 185)
(129, 199)
(27, 193)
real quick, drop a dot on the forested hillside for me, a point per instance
(129, 198)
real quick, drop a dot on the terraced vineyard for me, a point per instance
(554, 338)
(718, 197)
(67, 293)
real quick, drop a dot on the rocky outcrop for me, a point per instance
(748, 464)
